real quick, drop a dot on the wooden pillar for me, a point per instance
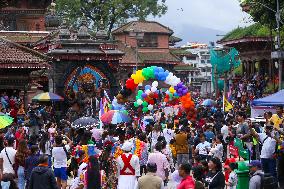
(26, 97)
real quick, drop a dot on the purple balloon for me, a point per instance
(144, 95)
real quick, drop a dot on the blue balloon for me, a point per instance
(147, 87)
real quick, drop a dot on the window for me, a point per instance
(208, 61)
(149, 40)
(190, 58)
(202, 61)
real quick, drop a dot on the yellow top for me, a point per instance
(276, 120)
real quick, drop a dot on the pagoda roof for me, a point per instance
(182, 52)
(144, 58)
(24, 37)
(185, 67)
(15, 56)
(144, 26)
(245, 40)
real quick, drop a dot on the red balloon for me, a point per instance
(151, 102)
(130, 84)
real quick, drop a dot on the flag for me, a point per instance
(228, 106)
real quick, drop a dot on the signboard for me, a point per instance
(277, 55)
(257, 111)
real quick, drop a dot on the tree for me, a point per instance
(262, 14)
(111, 12)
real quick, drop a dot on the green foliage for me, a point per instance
(255, 30)
(270, 88)
(262, 14)
(112, 12)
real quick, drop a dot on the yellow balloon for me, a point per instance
(172, 90)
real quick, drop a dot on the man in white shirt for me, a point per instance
(225, 134)
(7, 158)
(269, 144)
(59, 155)
(169, 133)
(203, 148)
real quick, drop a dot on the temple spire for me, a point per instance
(83, 32)
(101, 33)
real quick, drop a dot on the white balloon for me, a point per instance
(139, 102)
(147, 91)
(155, 84)
(153, 89)
(150, 107)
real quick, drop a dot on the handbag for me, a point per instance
(15, 166)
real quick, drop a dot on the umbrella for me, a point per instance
(48, 96)
(208, 102)
(85, 122)
(115, 117)
(5, 121)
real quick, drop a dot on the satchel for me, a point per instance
(15, 166)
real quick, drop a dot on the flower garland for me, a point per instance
(138, 147)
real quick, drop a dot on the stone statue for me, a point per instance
(87, 94)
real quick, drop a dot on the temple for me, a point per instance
(73, 63)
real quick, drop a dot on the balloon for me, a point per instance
(136, 104)
(140, 92)
(145, 104)
(144, 95)
(172, 90)
(147, 87)
(151, 102)
(150, 107)
(130, 84)
(147, 91)
(145, 109)
(153, 89)
(139, 102)
(155, 84)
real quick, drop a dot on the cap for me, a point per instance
(255, 163)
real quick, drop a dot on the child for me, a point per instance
(233, 178)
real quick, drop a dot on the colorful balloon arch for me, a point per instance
(177, 91)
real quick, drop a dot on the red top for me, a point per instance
(127, 165)
(186, 183)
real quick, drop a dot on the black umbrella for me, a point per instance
(85, 122)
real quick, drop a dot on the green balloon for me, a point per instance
(140, 92)
(171, 95)
(145, 109)
(145, 104)
(135, 104)
(138, 97)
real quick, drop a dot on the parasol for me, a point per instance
(85, 122)
(208, 102)
(115, 117)
(5, 121)
(48, 96)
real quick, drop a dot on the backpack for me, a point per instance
(268, 181)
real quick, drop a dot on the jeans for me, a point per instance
(21, 177)
(5, 185)
(182, 158)
(269, 166)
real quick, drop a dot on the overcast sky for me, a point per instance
(201, 20)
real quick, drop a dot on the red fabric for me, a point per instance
(126, 161)
(186, 183)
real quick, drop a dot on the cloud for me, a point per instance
(217, 15)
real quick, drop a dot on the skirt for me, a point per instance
(127, 182)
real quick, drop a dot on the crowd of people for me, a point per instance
(155, 150)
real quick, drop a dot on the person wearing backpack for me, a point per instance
(60, 157)
(256, 174)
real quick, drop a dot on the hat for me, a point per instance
(127, 146)
(255, 163)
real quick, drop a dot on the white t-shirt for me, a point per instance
(59, 155)
(7, 167)
(225, 132)
(268, 146)
(168, 134)
(203, 148)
